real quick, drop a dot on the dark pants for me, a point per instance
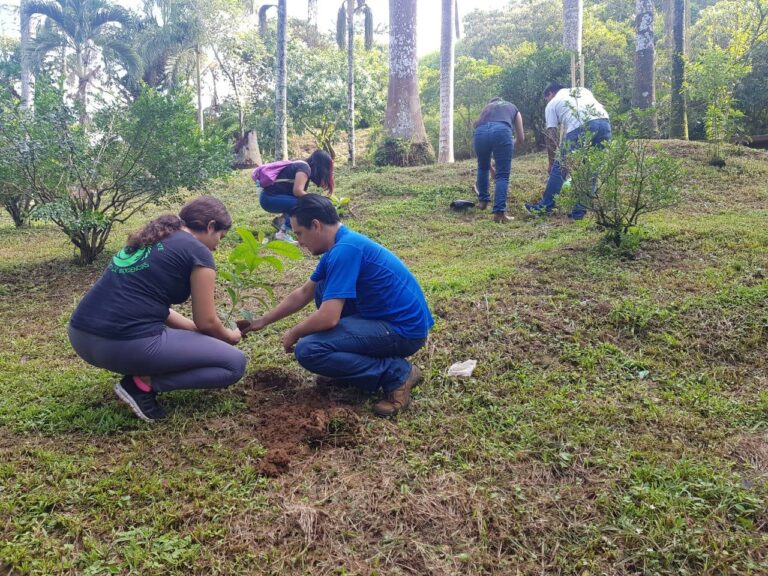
(278, 204)
(367, 354)
(175, 359)
(600, 132)
(494, 139)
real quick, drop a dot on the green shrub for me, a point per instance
(621, 182)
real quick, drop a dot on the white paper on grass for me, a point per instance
(462, 368)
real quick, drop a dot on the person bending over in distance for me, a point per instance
(125, 322)
(371, 312)
(291, 184)
(579, 113)
(493, 136)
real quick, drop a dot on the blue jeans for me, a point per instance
(494, 138)
(367, 354)
(278, 204)
(600, 132)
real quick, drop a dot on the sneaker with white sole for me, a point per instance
(143, 404)
(285, 236)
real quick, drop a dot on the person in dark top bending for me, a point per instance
(493, 136)
(125, 322)
(291, 184)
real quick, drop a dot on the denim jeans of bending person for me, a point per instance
(494, 139)
(599, 132)
(278, 204)
(367, 354)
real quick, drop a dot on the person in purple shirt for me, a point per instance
(371, 312)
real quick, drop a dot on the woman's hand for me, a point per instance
(233, 336)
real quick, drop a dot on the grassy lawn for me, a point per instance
(617, 421)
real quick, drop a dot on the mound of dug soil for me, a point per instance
(297, 420)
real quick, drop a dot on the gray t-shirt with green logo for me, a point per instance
(132, 297)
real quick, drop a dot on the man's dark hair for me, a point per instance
(496, 99)
(553, 88)
(314, 207)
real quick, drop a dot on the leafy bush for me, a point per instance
(621, 182)
(85, 177)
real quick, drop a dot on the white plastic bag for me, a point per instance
(462, 368)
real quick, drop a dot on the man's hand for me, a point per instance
(246, 326)
(289, 341)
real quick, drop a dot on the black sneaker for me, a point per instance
(144, 404)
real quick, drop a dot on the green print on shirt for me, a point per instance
(125, 262)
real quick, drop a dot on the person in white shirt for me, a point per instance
(579, 113)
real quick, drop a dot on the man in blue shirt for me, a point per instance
(371, 312)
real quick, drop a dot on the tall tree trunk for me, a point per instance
(281, 89)
(351, 81)
(199, 90)
(312, 14)
(644, 94)
(679, 112)
(403, 120)
(81, 77)
(445, 147)
(573, 25)
(26, 73)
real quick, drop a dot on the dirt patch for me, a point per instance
(291, 419)
(309, 420)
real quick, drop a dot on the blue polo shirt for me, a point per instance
(357, 268)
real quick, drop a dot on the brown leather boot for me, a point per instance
(482, 204)
(502, 217)
(400, 398)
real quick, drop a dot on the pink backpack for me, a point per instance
(266, 174)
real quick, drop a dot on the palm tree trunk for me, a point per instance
(200, 121)
(445, 147)
(644, 96)
(403, 120)
(351, 81)
(312, 14)
(26, 74)
(281, 90)
(679, 112)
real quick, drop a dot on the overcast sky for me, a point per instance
(428, 15)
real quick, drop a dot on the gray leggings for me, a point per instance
(175, 359)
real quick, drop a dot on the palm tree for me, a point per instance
(345, 26)
(644, 96)
(26, 74)
(403, 122)
(82, 29)
(678, 121)
(281, 83)
(573, 15)
(450, 17)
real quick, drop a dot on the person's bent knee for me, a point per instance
(236, 367)
(310, 352)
